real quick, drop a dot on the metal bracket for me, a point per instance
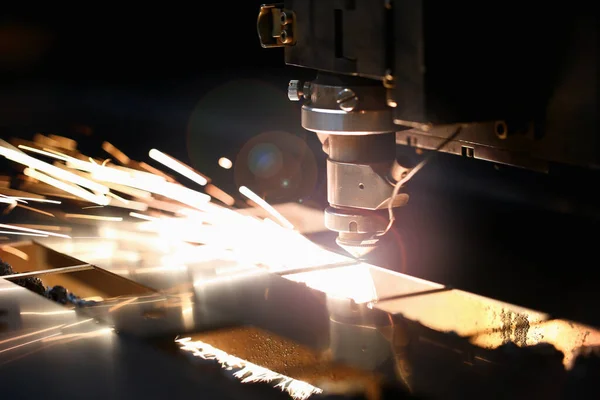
(276, 26)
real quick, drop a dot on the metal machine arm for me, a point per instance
(519, 79)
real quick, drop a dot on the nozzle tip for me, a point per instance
(356, 247)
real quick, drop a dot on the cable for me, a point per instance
(412, 173)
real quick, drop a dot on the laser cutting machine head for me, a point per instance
(351, 118)
(413, 72)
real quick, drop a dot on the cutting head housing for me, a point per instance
(351, 118)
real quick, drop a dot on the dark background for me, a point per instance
(194, 82)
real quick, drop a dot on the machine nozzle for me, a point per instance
(358, 230)
(356, 244)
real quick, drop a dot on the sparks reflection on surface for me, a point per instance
(248, 372)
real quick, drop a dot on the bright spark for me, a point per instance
(178, 166)
(72, 189)
(35, 231)
(143, 216)
(94, 217)
(225, 162)
(35, 200)
(266, 206)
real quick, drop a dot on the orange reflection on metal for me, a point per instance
(12, 339)
(490, 323)
(28, 343)
(15, 252)
(122, 304)
(567, 337)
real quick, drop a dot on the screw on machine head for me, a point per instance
(347, 100)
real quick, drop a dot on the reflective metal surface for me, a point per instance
(48, 351)
(395, 326)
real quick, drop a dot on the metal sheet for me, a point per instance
(403, 328)
(54, 353)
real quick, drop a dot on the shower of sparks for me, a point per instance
(248, 372)
(182, 227)
(69, 188)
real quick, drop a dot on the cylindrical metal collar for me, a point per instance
(338, 122)
(347, 110)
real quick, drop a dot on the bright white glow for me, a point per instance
(143, 216)
(36, 231)
(225, 162)
(50, 169)
(229, 278)
(266, 206)
(128, 205)
(33, 199)
(140, 184)
(43, 152)
(94, 217)
(357, 283)
(22, 234)
(174, 268)
(61, 312)
(241, 245)
(72, 189)
(177, 166)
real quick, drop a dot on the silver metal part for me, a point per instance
(449, 328)
(354, 220)
(295, 90)
(357, 229)
(298, 90)
(503, 145)
(355, 125)
(338, 122)
(337, 110)
(360, 186)
(357, 245)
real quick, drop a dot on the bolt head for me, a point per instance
(347, 100)
(295, 90)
